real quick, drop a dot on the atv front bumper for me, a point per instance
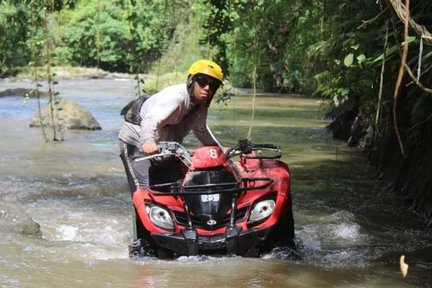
(234, 241)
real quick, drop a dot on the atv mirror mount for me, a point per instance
(245, 146)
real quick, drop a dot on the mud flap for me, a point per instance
(191, 240)
(232, 240)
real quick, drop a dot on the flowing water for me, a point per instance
(65, 211)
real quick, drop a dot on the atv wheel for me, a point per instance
(290, 222)
(283, 233)
(288, 229)
(143, 245)
(138, 228)
(140, 248)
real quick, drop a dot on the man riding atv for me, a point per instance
(204, 202)
(169, 115)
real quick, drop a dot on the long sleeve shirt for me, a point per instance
(169, 115)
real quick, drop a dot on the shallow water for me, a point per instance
(350, 232)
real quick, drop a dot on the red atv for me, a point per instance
(215, 204)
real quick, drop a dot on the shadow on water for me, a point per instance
(350, 231)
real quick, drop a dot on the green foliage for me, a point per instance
(186, 44)
(273, 41)
(95, 35)
(124, 36)
(350, 70)
(217, 25)
(14, 17)
(150, 28)
(296, 46)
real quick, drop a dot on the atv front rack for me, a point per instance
(176, 188)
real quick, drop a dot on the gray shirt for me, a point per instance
(169, 115)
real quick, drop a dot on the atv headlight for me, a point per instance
(262, 210)
(160, 217)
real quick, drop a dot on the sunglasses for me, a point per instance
(203, 82)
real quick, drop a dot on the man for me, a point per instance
(169, 115)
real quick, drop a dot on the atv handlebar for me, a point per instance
(245, 149)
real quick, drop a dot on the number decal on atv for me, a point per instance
(213, 153)
(210, 198)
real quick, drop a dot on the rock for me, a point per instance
(31, 228)
(344, 114)
(68, 115)
(16, 92)
(14, 218)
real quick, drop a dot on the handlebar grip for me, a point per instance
(271, 146)
(149, 156)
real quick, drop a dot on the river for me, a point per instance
(350, 231)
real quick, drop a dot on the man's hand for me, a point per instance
(150, 148)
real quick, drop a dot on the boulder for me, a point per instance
(16, 92)
(67, 115)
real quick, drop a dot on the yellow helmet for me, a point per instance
(206, 67)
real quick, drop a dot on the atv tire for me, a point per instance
(140, 248)
(143, 246)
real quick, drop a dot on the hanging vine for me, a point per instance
(53, 102)
(400, 76)
(39, 20)
(99, 9)
(254, 80)
(34, 65)
(380, 91)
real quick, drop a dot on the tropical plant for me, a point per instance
(14, 24)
